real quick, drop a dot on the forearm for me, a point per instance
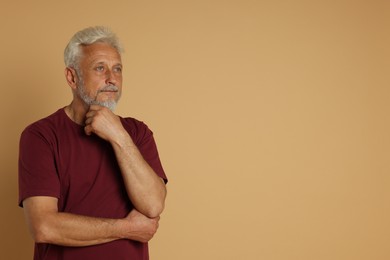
(145, 188)
(47, 225)
(75, 230)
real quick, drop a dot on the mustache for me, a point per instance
(108, 88)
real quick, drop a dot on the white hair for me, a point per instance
(88, 36)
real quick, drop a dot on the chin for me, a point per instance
(108, 103)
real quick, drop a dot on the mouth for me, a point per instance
(109, 88)
(110, 92)
(107, 93)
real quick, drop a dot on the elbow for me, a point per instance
(41, 233)
(155, 208)
(151, 206)
(40, 214)
(39, 237)
(155, 211)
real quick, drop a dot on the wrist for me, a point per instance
(120, 227)
(122, 141)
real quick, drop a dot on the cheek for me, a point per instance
(94, 83)
(119, 79)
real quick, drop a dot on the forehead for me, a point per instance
(99, 52)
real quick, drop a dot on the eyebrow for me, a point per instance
(103, 63)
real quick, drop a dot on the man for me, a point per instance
(91, 182)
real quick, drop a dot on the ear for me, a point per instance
(71, 77)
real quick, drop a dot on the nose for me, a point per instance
(111, 78)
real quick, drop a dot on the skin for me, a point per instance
(100, 66)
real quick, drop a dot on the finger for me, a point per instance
(88, 121)
(88, 130)
(90, 113)
(94, 107)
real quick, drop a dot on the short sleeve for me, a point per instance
(143, 138)
(148, 149)
(37, 168)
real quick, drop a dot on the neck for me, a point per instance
(76, 112)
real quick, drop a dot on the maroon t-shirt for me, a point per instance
(58, 159)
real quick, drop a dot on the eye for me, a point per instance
(99, 68)
(118, 69)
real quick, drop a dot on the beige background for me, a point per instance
(272, 119)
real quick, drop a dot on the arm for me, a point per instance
(145, 188)
(47, 225)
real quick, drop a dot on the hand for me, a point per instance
(103, 122)
(140, 227)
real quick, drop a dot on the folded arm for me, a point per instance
(47, 225)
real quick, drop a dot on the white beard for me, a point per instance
(110, 104)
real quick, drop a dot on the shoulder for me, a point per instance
(46, 126)
(136, 128)
(133, 124)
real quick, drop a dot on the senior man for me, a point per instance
(91, 182)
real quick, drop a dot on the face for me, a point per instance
(100, 81)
